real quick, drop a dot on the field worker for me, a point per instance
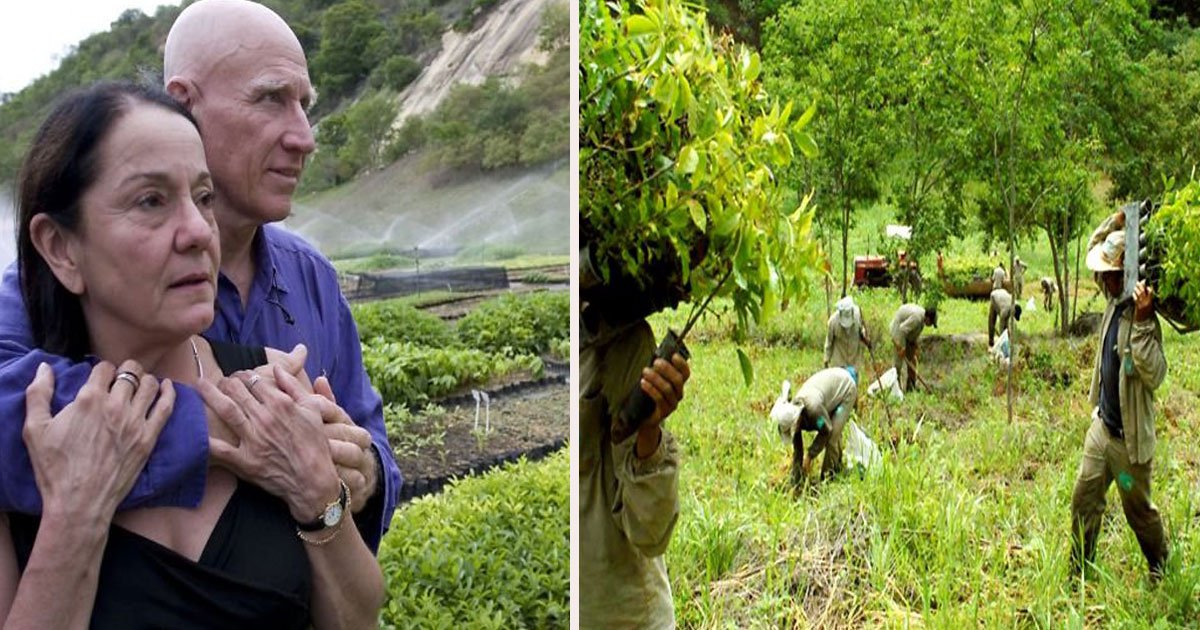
(823, 404)
(1004, 309)
(628, 495)
(239, 69)
(1018, 277)
(846, 335)
(907, 325)
(998, 277)
(1049, 290)
(1120, 442)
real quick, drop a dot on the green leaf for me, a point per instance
(727, 223)
(807, 146)
(747, 368)
(802, 122)
(750, 64)
(638, 25)
(697, 213)
(688, 159)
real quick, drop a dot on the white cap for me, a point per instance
(845, 311)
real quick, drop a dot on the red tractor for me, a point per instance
(878, 271)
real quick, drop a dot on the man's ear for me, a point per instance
(183, 91)
(60, 250)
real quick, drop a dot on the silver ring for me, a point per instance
(129, 377)
(254, 379)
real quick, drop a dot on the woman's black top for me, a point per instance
(253, 572)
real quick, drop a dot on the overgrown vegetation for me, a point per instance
(492, 552)
(967, 522)
(1173, 239)
(959, 271)
(496, 124)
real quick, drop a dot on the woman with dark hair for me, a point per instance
(118, 256)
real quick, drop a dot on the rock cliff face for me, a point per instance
(407, 205)
(505, 40)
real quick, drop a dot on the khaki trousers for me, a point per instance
(831, 464)
(1105, 460)
(906, 371)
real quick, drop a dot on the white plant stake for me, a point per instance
(487, 412)
(475, 395)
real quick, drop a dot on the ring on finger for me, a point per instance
(128, 377)
(254, 379)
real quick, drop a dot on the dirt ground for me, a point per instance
(532, 422)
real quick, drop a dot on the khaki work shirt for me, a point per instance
(1001, 308)
(627, 506)
(822, 394)
(1143, 368)
(908, 324)
(843, 346)
(998, 278)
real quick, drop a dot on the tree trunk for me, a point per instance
(1075, 299)
(1058, 274)
(845, 239)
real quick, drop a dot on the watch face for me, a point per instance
(333, 515)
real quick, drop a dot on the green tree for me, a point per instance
(396, 73)
(417, 30)
(368, 126)
(555, 31)
(679, 149)
(839, 55)
(351, 33)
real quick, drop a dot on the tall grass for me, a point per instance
(966, 524)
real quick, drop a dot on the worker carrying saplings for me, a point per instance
(1119, 444)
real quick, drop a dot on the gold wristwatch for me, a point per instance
(333, 513)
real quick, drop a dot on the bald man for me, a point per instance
(240, 70)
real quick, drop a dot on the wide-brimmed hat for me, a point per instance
(845, 311)
(1108, 254)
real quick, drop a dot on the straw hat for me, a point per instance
(1108, 255)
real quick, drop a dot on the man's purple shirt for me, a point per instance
(294, 298)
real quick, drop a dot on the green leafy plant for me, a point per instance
(680, 150)
(410, 375)
(395, 320)
(400, 422)
(516, 324)
(1173, 245)
(492, 552)
(960, 271)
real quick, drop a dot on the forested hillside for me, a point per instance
(362, 55)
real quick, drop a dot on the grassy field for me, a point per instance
(966, 524)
